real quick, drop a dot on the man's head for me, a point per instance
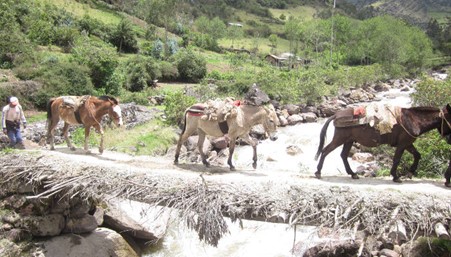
(13, 101)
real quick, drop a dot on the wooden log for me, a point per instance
(440, 230)
(397, 233)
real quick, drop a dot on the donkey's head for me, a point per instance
(271, 122)
(114, 111)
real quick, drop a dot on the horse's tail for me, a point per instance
(49, 108)
(184, 122)
(322, 136)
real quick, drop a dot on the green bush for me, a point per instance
(141, 71)
(192, 67)
(62, 78)
(169, 71)
(430, 92)
(175, 105)
(98, 56)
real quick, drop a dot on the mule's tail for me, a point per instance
(322, 136)
(49, 112)
(184, 122)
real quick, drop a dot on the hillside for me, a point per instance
(416, 11)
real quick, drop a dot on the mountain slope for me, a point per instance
(416, 11)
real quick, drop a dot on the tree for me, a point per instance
(273, 41)
(293, 30)
(234, 32)
(124, 37)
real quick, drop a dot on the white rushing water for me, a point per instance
(261, 238)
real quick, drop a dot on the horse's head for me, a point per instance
(445, 128)
(271, 122)
(115, 111)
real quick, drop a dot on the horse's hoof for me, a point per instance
(73, 148)
(207, 165)
(87, 152)
(254, 165)
(409, 175)
(447, 184)
(318, 175)
(232, 169)
(355, 176)
(52, 148)
(176, 162)
(397, 180)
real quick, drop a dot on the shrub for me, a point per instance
(98, 56)
(175, 104)
(191, 67)
(169, 71)
(63, 79)
(432, 92)
(141, 71)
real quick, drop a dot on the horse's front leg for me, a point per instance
(232, 144)
(99, 129)
(66, 136)
(200, 146)
(252, 142)
(416, 159)
(448, 175)
(87, 132)
(396, 160)
(344, 156)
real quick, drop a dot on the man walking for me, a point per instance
(12, 116)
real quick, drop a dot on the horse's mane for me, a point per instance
(424, 108)
(108, 98)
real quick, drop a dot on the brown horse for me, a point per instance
(85, 110)
(237, 126)
(411, 123)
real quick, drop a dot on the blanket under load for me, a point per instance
(380, 116)
(216, 110)
(73, 101)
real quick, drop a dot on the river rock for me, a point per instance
(295, 119)
(118, 220)
(48, 225)
(388, 253)
(309, 117)
(220, 142)
(85, 224)
(363, 157)
(102, 242)
(292, 109)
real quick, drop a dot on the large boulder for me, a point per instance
(119, 220)
(102, 242)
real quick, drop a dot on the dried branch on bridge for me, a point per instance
(203, 204)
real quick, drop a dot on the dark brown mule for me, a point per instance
(85, 110)
(448, 171)
(411, 123)
(238, 126)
